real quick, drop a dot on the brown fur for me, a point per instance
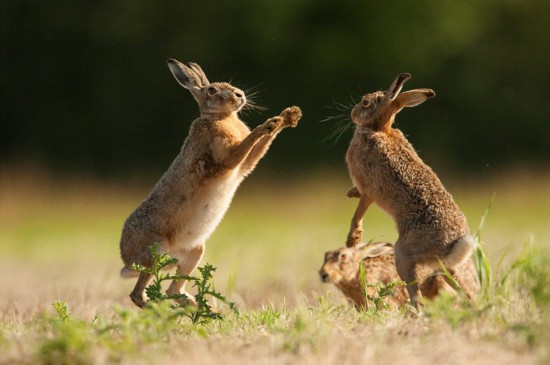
(341, 267)
(190, 199)
(386, 170)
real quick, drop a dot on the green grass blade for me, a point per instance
(448, 275)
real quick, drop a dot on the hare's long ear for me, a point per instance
(185, 76)
(200, 73)
(379, 249)
(412, 98)
(192, 78)
(397, 84)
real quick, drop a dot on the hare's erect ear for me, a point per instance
(397, 84)
(185, 76)
(413, 98)
(378, 249)
(200, 73)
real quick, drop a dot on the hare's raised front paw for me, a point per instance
(291, 116)
(353, 192)
(273, 124)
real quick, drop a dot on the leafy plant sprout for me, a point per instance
(199, 314)
(381, 291)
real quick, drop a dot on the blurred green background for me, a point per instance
(85, 87)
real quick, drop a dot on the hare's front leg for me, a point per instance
(188, 260)
(241, 152)
(290, 116)
(353, 192)
(356, 228)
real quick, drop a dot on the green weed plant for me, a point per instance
(381, 291)
(66, 341)
(199, 314)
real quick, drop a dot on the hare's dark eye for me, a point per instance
(212, 90)
(366, 102)
(343, 257)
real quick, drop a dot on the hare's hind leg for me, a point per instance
(455, 261)
(434, 284)
(188, 260)
(406, 268)
(463, 286)
(135, 249)
(137, 294)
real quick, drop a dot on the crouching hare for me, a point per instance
(386, 170)
(342, 268)
(190, 199)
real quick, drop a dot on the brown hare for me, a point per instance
(386, 170)
(341, 267)
(190, 199)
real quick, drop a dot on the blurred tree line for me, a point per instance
(85, 87)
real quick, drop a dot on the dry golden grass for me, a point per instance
(59, 242)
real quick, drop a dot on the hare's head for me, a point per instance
(214, 99)
(377, 110)
(339, 264)
(344, 262)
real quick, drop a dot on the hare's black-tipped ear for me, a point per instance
(397, 84)
(413, 98)
(185, 76)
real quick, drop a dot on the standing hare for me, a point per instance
(190, 199)
(341, 267)
(386, 170)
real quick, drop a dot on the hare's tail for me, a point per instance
(461, 251)
(128, 273)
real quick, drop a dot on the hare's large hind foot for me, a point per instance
(189, 299)
(187, 262)
(463, 286)
(137, 294)
(137, 299)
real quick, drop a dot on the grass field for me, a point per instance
(59, 243)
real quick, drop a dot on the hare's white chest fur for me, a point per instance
(197, 220)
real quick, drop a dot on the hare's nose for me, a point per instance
(324, 276)
(239, 95)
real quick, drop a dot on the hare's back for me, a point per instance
(380, 268)
(403, 185)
